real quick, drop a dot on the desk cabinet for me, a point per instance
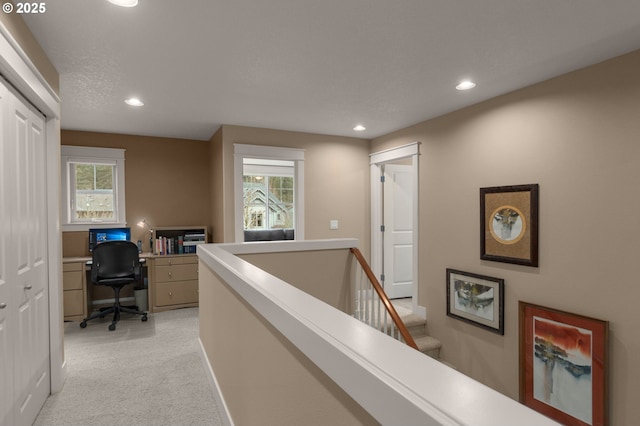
(173, 282)
(74, 291)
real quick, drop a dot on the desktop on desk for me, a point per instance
(171, 280)
(81, 297)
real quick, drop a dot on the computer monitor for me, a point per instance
(99, 235)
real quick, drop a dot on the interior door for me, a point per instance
(398, 230)
(6, 349)
(26, 316)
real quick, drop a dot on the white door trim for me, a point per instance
(412, 151)
(398, 235)
(19, 70)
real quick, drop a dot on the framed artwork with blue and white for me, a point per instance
(476, 299)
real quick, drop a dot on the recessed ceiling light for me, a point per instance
(359, 128)
(124, 3)
(134, 102)
(466, 85)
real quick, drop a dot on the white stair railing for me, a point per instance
(372, 305)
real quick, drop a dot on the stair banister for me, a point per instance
(384, 298)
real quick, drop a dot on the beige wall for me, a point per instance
(336, 180)
(164, 174)
(328, 277)
(216, 171)
(167, 182)
(578, 137)
(21, 33)
(265, 379)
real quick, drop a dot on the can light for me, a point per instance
(466, 85)
(359, 128)
(134, 102)
(124, 3)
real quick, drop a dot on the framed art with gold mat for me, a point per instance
(509, 224)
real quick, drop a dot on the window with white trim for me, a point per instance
(268, 192)
(269, 189)
(92, 187)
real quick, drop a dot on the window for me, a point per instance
(92, 187)
(269, 189)
(268, 192)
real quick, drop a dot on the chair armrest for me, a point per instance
(137, 271)
(94, 272)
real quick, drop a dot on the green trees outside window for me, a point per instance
(268, 202)
(94, 195)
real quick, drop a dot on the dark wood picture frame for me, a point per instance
(563, 365)
(476, 299)
(509, 224)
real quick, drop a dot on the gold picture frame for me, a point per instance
(509, 224)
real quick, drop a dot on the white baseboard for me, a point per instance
(223, 410)
(421, 311)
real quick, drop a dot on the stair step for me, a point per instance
(428, 346)
(416, 325)
(411, 320)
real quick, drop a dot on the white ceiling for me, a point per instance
(319, 66)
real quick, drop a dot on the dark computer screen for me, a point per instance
(97, 236)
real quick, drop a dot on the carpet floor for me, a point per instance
(143, 373)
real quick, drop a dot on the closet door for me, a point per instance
(25, 249)
(6, 348)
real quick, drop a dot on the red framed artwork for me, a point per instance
(563, 365)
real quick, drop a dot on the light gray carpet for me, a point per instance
(143, 373)
(403, 306)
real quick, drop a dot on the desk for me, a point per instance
(172, 284)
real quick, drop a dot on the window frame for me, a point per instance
(242, 151)
(268, 169)
(91, 155)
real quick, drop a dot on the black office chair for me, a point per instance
(115, 264)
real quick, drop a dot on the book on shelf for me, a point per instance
(179, 240)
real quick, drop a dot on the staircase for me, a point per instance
(394, 318)
(417, 327)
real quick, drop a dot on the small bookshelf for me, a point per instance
(178, 239)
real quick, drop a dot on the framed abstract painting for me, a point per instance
(476, 299)
(563, 365)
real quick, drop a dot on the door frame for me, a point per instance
(376, 160)
(392, 235)
(24, 76)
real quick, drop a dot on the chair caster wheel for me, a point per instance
(112, 327)
(144, 317)
(83, 324)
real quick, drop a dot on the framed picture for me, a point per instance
(563, 365)
(476, 299)
(509, 224)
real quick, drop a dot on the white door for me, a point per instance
(398, 230)
(23, 260)
(6, 348)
